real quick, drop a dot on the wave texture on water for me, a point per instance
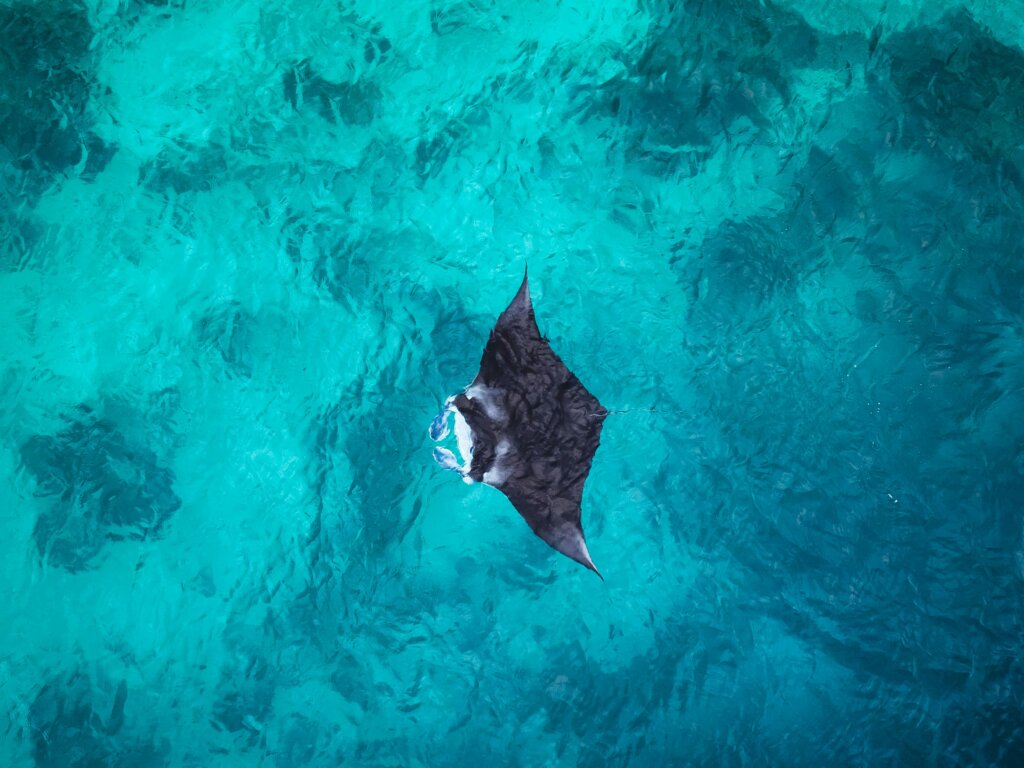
(248, 249)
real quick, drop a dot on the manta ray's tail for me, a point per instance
(647, 410)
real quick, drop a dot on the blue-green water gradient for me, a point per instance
(247, 250)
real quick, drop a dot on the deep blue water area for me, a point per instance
(248, 249)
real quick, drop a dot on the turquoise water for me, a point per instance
(249, 248)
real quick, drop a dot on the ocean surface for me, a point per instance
(248, 248)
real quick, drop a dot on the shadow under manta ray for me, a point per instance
(528, 427)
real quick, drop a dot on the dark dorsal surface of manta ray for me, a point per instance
(528, 427)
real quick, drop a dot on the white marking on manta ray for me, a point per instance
(487, 397)
(497, 473)
(464, 438)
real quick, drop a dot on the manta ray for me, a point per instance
(528, 427)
